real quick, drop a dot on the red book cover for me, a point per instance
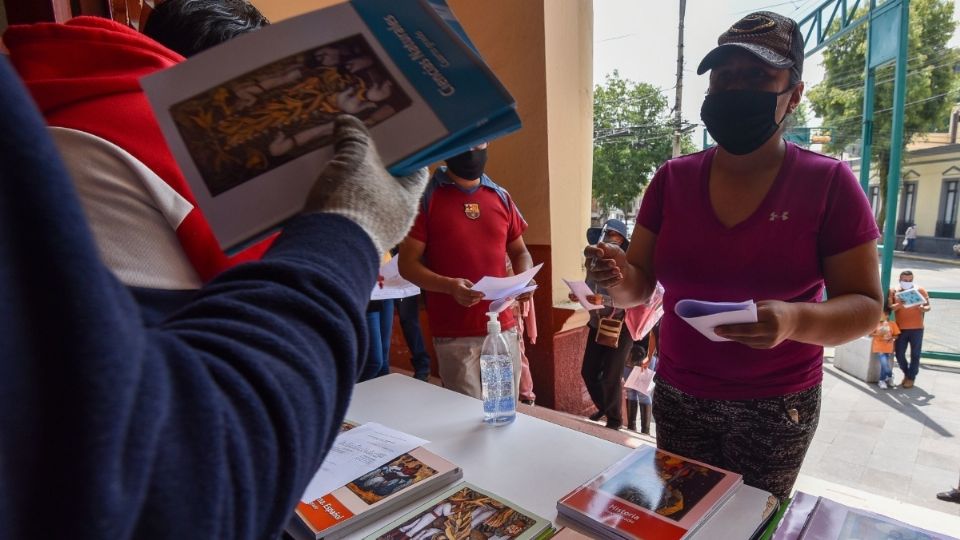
(650, 494)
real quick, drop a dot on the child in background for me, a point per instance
(883, 338)
(635, 359)
(643, 355)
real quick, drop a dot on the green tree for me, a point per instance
(931, 86)
(632, 136)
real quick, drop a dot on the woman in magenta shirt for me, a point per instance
(754, 218)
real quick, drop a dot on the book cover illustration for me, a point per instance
(392, 485)
(650, 494)
(664, 483)
(465, 512)
(910, 297)
(390, 478)
(262, 119)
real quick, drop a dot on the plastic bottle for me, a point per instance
(496, 376)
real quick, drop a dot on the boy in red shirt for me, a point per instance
(466, 227)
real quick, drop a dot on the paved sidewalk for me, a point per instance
(890, 450)
(955, 261)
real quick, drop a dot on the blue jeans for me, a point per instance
(409, 311)
(885, 370)
(379, 330)
(914, 338)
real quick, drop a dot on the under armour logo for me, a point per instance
(775, 216)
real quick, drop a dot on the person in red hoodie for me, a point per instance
(84, 76)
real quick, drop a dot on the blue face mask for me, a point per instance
(741, 121)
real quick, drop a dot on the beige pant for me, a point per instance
(459, 362)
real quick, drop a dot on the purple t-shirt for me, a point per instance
(814, 209)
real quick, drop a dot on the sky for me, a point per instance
(639, 38)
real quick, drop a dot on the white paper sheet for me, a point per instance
(356, 452)
(641, 380)
(494, 288)
(705, 316)
(499, 305)
(394, 286)
(582, 291)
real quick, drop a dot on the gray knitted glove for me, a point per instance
(356, 185)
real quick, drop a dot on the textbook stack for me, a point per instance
(400, 482)
(650, 494)
(818, 518)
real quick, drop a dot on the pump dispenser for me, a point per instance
(496, 376)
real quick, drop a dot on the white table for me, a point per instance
(530, 462)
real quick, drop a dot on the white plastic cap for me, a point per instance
(493, 325)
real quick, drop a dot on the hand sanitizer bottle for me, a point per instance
(496, 376)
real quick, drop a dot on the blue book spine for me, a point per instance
(506, 122)
(447, 72)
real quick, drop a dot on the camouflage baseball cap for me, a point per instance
(774, 39)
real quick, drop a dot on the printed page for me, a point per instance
(357, 452)
(705, 316)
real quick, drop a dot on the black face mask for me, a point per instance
(741, 120)
(468, 165)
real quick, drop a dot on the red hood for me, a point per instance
(84, 59)
(85, 75)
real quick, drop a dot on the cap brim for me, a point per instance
(762, 53)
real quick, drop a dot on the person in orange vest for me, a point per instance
(910, 321)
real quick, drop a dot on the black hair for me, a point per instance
(906, 273)
(191, 26)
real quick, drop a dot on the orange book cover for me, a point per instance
(650, 494)
(393, 484)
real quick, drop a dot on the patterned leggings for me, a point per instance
(765, 440)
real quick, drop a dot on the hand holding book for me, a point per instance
(356, 185)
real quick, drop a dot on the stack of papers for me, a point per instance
(504, 291)
(494, 288)
(356, 452)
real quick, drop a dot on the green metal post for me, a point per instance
(896, 143)
(867, 137)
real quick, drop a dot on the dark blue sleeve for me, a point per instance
(207, 426)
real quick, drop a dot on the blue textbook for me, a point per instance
(250, 122)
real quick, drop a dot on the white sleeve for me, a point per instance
(133, 213)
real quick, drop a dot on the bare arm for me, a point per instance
(520, 258)
(521, 261)
(853, 308)
(410, 264)
(628, 277)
